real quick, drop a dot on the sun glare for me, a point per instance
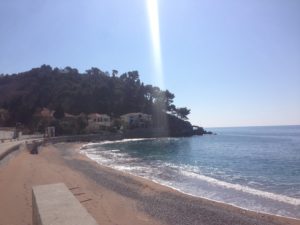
(153, 15)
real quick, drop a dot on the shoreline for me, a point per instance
(200, 197)
(188, 194)
(294, 202)
(180, 192)
(117, 197)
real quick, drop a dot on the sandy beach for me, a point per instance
(110, 196)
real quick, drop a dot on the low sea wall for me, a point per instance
(6, 150)
(105, 135)
(86, 138)
(146, 133)
(31, 136)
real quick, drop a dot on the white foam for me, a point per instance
(121, 141)
(88, 144)
(280, 213)
(277, 197)
(193, 171)
(124, 140)
(115, 150)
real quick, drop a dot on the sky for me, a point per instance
(232, 62)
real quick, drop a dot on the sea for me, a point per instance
(255, 168)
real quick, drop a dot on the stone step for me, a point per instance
(54, 204)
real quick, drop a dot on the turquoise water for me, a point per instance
(256, 168)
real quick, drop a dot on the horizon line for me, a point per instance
(244, 126)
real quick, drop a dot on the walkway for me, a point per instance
(7, 147)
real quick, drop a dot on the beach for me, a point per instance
(110, 196)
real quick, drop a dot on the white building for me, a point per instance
(135, 120)
(98, 121)
(7, 133)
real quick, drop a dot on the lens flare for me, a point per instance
(153, 15)
(159, 110)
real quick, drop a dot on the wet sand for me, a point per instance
(111, 197)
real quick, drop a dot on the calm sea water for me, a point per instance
(256, 168)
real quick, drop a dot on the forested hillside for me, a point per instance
(21, 95)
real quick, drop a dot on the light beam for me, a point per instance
(152, 6)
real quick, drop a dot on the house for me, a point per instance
(46, 113)
(68, 115)
(7, 133)
(98, 121)
(136, 120)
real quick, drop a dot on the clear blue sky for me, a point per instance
(232, 62)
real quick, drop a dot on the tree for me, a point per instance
(74, 92)
(4, 117)
(183, 112)
(94, 71)
(114, 73)
(59, 112)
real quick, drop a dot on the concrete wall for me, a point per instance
(54, 204)
(8, 147)
(31, 136)
(146, 133)
(103, 136)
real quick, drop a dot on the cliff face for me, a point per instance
(164, 126)
(178, 127)
(181, 128)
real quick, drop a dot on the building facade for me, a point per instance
(98, 121)
(7, 133)
(136, 120)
